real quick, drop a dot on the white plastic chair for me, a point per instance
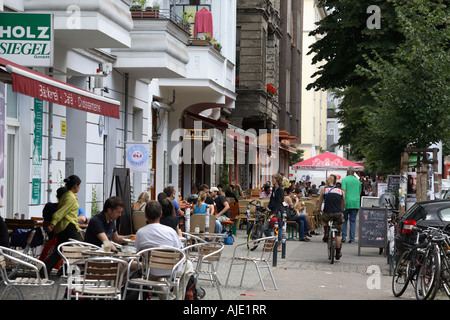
(96, 278)
(161, 268)
(259, 260)
(70, 252)
(206, 254)
(27, 264)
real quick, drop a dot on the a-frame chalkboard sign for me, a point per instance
(121, 186)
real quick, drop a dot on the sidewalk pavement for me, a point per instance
(305, 274)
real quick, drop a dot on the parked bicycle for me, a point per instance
(408, 265)
(444, 277)
(387, 200)
(255, 229)
(434, 272)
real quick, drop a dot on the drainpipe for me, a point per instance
(125, 125)
(50, 145)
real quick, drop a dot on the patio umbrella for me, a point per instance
(327, 161)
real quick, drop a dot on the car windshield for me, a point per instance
(416, 212)
(445, 214)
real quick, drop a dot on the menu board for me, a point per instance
(393, 182)
(372, 228)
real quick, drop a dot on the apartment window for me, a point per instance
(188, 9)
(238, 54)
(332, 132)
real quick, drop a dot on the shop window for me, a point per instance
(12, 99)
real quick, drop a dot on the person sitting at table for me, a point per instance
(201, 206)
(82, 219)
(50, 208)
(142, 200)
(266, 193)
(238, 190)
(102, 227)
(229, 193)
(154, 234)
(205, 188)
(300, 206)
(170, 193)
(303, 228)
(4, 235)
(169, 217)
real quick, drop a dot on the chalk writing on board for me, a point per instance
(372, 227)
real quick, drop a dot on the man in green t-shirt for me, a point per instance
(352, 195)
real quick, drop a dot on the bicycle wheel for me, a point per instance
(255, 233)
(400, 279)
(444, 278)
(332, 240)
(427, 282)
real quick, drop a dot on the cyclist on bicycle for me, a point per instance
(333, 200)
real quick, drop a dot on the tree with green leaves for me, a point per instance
(345, 37)
(390, 96)
(411, 89)
(297, 157)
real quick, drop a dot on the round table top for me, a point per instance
(102, 253)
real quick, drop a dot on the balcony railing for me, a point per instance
(161, 14)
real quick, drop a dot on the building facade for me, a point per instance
(145, 64)
(268, 68)
(314, 103)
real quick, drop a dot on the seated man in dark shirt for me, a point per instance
(223, 207)
(205, 188)
(4, 235)
(102, 227)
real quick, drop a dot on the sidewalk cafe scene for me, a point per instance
(246, 152)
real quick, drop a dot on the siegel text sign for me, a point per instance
(27, 38)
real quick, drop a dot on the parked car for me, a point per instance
(446, 194)
(434, 213)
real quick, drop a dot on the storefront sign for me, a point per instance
(137, 157)
(197, 134)
(27, 38)
(37, 85)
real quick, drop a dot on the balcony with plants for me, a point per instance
(87, 23)
(140, 10)
(158, 43)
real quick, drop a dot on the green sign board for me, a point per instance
(37, 152)
(27, 38)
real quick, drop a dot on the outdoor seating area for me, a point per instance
(87, 271)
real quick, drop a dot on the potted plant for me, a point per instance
(94, 206)
(153, 11)
(216, 44)
(137, 6)
(271, 90)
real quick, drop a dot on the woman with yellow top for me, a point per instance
(64, 221)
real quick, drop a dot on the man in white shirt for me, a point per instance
(154, 234)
